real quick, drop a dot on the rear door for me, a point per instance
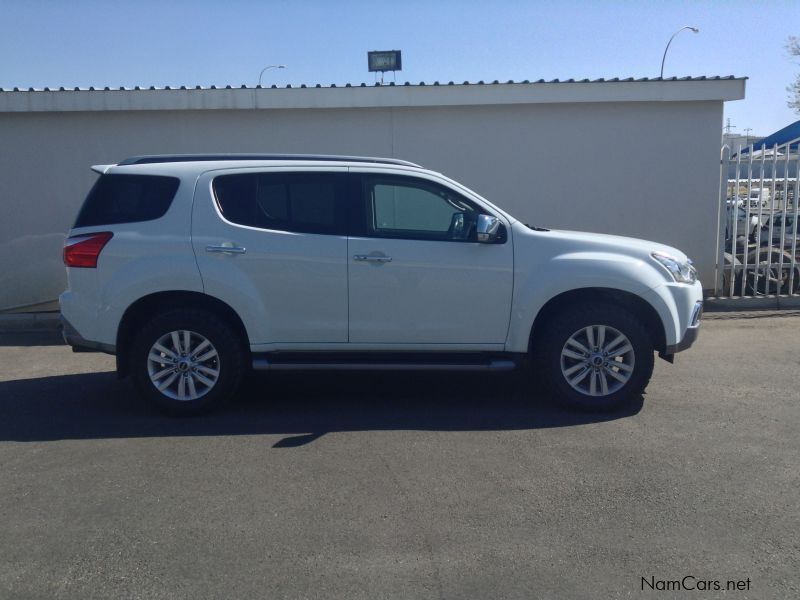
(272, 244)
(417, 274)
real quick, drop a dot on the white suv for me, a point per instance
(194, 269)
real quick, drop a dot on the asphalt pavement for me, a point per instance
(405, 485)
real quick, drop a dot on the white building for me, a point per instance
(736, 141)
(629, 157)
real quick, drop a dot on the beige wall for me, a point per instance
(644, 169)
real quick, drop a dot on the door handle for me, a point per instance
(370, 258)
(229, 249)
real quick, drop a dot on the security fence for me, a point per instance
(759, 225)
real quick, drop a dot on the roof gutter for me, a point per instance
(385, 96)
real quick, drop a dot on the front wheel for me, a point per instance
(595, 357)
(187, 361)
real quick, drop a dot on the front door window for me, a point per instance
(417, 210)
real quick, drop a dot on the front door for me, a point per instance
(417, 274)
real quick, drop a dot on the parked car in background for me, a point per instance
(759, 197)
(777, 226)
(745, 227)
(731, 202)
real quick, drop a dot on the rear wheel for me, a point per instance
(187, 361)
(594, 358)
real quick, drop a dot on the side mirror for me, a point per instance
(488, 227)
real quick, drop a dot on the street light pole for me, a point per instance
(260, 75)
(694, 29)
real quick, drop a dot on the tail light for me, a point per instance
(84, 250)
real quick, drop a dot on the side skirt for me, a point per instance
(386, 361)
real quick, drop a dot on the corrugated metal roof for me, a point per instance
(388, 84)
(779, 139)
(406, 95)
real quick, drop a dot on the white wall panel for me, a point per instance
(645, 169)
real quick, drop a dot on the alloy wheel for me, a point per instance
(597, 360)
(183, 365)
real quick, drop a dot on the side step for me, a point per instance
(295, 361)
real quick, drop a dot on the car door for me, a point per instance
(417, 274)
(271, 243)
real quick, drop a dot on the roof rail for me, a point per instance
(168, 158)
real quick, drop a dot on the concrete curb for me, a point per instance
(22, 322)
(740, 304)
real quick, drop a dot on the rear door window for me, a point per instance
(295, 202)
(118, 199)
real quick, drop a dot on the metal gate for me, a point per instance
(758, 238)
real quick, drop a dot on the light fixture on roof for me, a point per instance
(260, 75)
(693, 29)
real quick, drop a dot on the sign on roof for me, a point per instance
(384, 60)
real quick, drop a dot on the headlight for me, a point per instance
(681, 272)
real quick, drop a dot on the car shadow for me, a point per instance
(300, 406)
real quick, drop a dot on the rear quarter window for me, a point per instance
(118, 199)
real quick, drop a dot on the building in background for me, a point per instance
(605, 156)
(734, 141)
(769, 172)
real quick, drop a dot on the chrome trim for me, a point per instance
(370, 258)
(263, 364)
(227, 249)
(697, 312)
(487, 228)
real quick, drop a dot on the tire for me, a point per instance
(771, 279)
(557, 356)
(211, 371)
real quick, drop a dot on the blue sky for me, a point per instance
(83, 43)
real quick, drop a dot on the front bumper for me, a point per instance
(692, 331)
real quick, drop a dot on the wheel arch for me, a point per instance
(640, 307)
(143, 309)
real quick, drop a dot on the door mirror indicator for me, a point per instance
(488, 229)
